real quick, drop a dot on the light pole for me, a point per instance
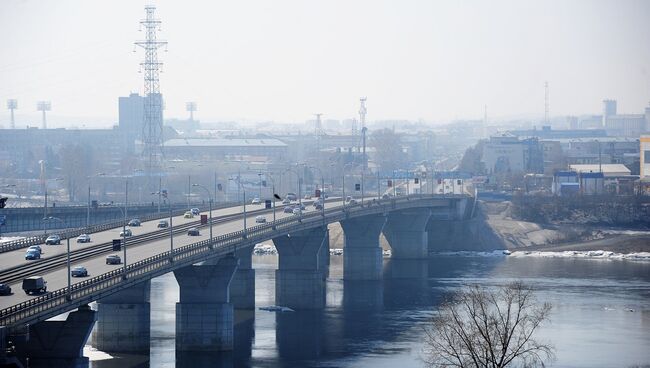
(210, 207)
(299, 192)
(171, 227)
(322, 188)
(259, 176)
(67, 241)
(343, 183)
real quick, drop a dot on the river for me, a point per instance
(600, 317)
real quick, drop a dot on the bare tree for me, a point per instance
(488, 328)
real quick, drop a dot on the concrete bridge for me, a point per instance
(214, 275)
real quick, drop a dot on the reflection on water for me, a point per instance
(601, 315)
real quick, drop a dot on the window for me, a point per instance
(646, 157)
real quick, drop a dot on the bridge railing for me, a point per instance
(73, 233)
(86, 291)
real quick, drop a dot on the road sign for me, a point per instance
(357, 187)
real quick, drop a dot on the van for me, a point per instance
(34, 284)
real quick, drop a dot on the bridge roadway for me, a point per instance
(57, 278)
(213, 276)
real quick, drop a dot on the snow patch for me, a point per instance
(94, 354)
(591, 254)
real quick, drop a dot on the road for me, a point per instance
(58, 279)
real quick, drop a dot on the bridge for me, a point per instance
(215, 275)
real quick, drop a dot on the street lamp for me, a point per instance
(299, 192)
(123, 211)
(210, 206)
(88, 208)
(67, 241)
(322, 188)
(171, 227)
(344, 167)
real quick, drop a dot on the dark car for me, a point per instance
(79, 271)
(193, 232)
(5, 289)
(288, 209)
(34, 284)
(134, 222)
(318, 207)
(113, 259)
(163, 224)
(32, 254)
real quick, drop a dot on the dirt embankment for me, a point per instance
(519, 234)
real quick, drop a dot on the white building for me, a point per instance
(645, 157)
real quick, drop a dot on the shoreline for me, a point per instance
(619, 243)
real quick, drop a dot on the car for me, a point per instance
(317, 202)
(292, 196)
(260, 219)
(83, 238)
(35, 247)
(307, 196)
(134, 222)
(195, 211)
(79, 271)
(318, 207)
(32, 254)
(352, 201)
(188, 214)
(301, 206)
(34, 284)
(5, 289)
(126, 233)
(193, 232)
(386, 196)
(286, 201)
(163, 224)
(256, 201)
(53, 240)
(297, 211)
(288, 209)
(113, 259)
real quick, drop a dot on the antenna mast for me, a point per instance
(546, 117)
(152, 127)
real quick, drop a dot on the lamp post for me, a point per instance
(322, 188)
(171, 226)
(299, 192)
(67, 241)
(343, 182)
(210, 207)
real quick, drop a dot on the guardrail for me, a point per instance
(86, 291)
(73, 233)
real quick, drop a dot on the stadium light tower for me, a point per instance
(44, 106)
(12, 104)
(191, 107)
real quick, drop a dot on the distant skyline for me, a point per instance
(286, 60)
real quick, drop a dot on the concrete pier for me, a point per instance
(123, 320)
(242, 286)
(204, 314)
(55, 344)
(362, 257)
(406, 233)
(299, 282)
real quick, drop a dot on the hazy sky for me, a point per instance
(285, 60)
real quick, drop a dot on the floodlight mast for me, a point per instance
(12, 104)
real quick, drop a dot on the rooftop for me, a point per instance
(607, 169)
(225, 142)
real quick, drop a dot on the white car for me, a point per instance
(126, 233)
(256, 201)
(297, 211)
(83, 238)
(260, 219)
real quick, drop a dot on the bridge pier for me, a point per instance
(204, 314)
(406, 233)
(123, 320)
(242, 286)
(362, 255)
(58, 343)
(299, 282)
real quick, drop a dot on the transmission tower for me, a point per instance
(12, 105)
(44, 106)
(546, 117)
(152, 125)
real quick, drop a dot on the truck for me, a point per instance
(34, 284)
